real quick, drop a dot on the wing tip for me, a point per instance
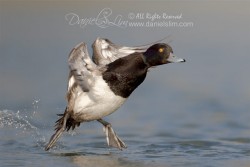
(77, 47)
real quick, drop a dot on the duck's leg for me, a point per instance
(59, 130)
(112, 139)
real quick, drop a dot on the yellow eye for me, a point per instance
(161, 50)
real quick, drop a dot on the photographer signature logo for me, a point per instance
(103, 20)
(106, 18)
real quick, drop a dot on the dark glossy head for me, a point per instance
(159, 54)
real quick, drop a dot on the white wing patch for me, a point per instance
(71, 82)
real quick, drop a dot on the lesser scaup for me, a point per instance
(98, 88)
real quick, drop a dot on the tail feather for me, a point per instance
(70, 124)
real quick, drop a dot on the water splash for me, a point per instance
(11, 119)
(35, 106)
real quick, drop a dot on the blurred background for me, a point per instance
(205, 98)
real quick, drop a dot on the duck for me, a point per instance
(99, 86)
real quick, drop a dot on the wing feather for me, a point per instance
(81, 68)
(105, 52)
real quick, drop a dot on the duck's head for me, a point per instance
(159, 54)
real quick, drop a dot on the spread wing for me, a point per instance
(81, 68)
(106, 52)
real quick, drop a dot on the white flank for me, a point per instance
(99, 102)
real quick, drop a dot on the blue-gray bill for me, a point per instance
(174, 59)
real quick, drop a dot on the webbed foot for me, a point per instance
(112, 139)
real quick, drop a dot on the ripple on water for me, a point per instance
(21, 136)
(240, 140)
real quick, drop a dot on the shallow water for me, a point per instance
(23, 138)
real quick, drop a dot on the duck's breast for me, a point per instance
(99, 102)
